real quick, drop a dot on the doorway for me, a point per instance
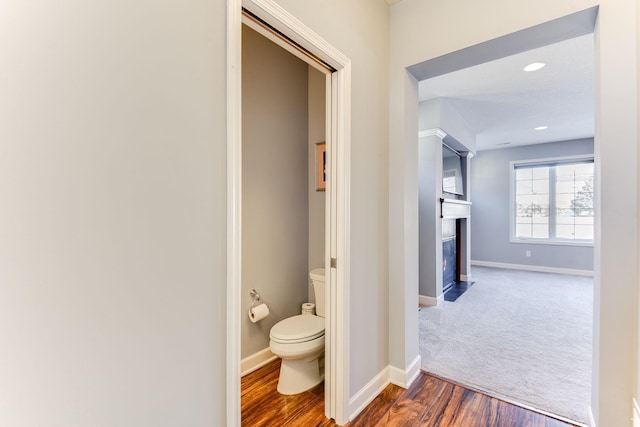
(289, 33)
(283, 208)
(492, 205)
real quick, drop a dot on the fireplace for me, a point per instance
(455, 251)
(449, 252)
(449, 262)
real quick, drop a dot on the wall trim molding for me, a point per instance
(297, 31)
(404, 378)
(636, 414)
(432, 132)
(256, 360)
(370, 391)
(592, 420)
(388, 375)
(425, 301)
(234, 202)
(540, 268)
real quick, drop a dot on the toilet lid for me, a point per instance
(300, 328)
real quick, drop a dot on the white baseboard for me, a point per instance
(405, 378)
(636, 414)
(389, 375)
(367, 393)
(592, 420)
(256, 361)
(425, 301)
(540, 268)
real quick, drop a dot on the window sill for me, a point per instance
(556, 242)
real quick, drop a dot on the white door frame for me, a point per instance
(337, 244)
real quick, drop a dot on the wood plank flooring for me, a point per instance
(262, 405)
(429, 401)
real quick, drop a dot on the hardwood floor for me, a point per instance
(262, 405)
(429, 401)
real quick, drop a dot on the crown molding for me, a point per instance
(432, 132)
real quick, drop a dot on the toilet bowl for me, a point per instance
(299, 342)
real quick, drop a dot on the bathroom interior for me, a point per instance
(283, 208)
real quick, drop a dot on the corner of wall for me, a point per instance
(404, 378)
(370, 391)
(389, 375)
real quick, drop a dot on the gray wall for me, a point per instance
(490, 209)
(113, 184)
(114, 215)
(113, 220)
(317, 215)
(360, 30)
(274, 184)
(438, 113)
(430, 225)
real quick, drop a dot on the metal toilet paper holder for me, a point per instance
(255, 297)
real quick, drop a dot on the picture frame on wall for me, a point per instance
(321, 166)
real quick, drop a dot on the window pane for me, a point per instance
(532, 202)
(540, 200)
(571, 195)
(524, 187)
(523, 174)
(565, 231)
(523, 230)
(564, 200)
(541, 215)
(565, 186)
(584, 220)
(540, 186)
(540, 173)
(574, 201)
(540, 231)
(530, 210)
(584, 232)
(565, 220)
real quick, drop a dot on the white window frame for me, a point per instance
(512, 202)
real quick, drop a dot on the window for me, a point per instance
(552, 201)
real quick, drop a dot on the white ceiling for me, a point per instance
(502, 104)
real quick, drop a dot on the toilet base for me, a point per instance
(299, 375)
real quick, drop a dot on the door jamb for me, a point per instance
(338, 210)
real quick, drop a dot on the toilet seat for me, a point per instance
(297, 329)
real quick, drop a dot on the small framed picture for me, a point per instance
(321, 166)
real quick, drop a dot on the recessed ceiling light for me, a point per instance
(541, 127)
(535, 66)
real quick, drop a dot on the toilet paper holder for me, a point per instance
(255, 297)
(258, 310)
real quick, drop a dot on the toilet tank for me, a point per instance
(317, 279)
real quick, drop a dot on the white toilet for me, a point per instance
(299, 342)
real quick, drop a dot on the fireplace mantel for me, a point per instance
(454, 208)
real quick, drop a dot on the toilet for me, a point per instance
(299, 342)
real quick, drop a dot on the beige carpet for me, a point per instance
(522, 335)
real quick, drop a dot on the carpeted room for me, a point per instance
(525, 336)
(520, 335)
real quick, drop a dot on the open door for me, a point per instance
(282, 28)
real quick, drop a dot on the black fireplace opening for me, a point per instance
(449, 262)
(452, 286)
